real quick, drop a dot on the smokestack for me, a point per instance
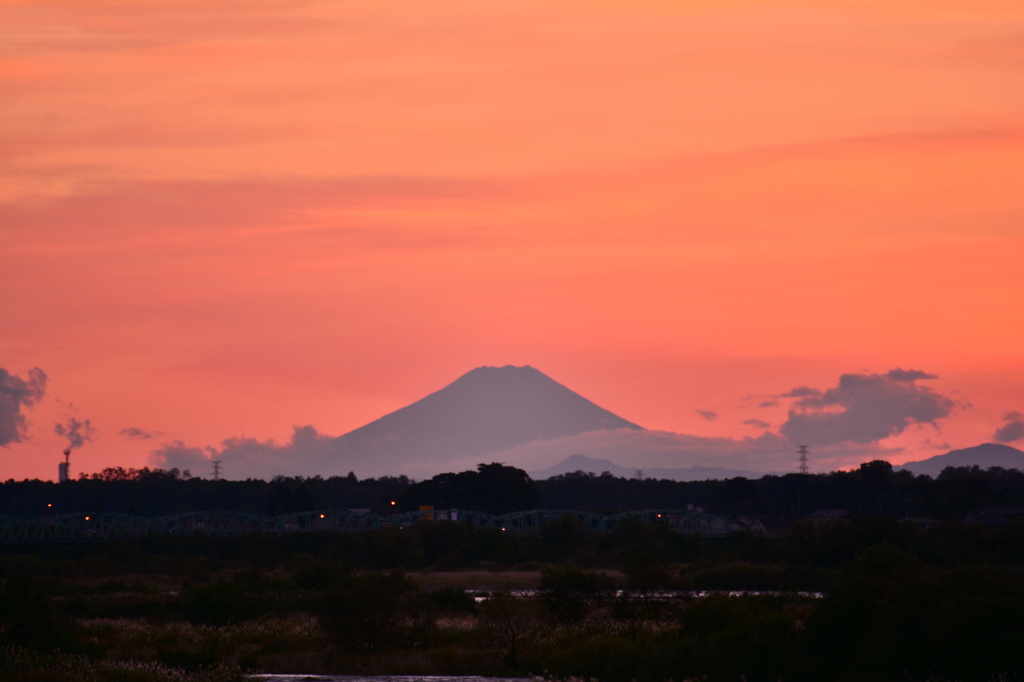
(64, 468)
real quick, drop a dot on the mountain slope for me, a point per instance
(985, 456)
(486, 410)
(576, 463)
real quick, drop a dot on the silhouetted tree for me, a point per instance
(493, 488)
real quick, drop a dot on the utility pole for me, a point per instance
(803, 460)
(216, 470)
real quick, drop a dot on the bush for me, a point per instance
(889, 618)
(246, 597)
(27, 620)
(452, 600)
(371, 612)
(511, 629)
(572, 593)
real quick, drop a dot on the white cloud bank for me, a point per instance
(310, 453)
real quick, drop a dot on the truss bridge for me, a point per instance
(103, 526)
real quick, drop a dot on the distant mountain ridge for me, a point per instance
(597, 466)
(486, 410)
(520, 417)
(985, 455)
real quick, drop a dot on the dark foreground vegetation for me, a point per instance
(867, 598)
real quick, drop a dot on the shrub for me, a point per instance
(572, 593)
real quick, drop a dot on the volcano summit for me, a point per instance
(486, 410)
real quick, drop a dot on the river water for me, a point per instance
(383, 678)
(664, 595)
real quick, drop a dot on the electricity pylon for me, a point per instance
(803, 459)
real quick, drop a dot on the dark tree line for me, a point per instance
(154, 492)
(873, 489)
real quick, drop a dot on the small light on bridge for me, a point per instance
(502, 530)
(49, 504)
(321, 516)
(393, 503)
(659, 516)
(86, 518)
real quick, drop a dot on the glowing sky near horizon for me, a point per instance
(228, 218)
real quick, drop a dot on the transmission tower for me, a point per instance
(216, 470)
(803, 459)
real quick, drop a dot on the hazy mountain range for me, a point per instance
(521, 417)
(598, 466)
(986, 455)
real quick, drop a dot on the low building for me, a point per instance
(749, 525)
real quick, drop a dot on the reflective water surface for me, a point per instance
(663, 595)
(383, 678)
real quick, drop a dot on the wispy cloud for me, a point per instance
(135, 433)
(141, 206)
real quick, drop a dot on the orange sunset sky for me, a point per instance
(226, 219)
